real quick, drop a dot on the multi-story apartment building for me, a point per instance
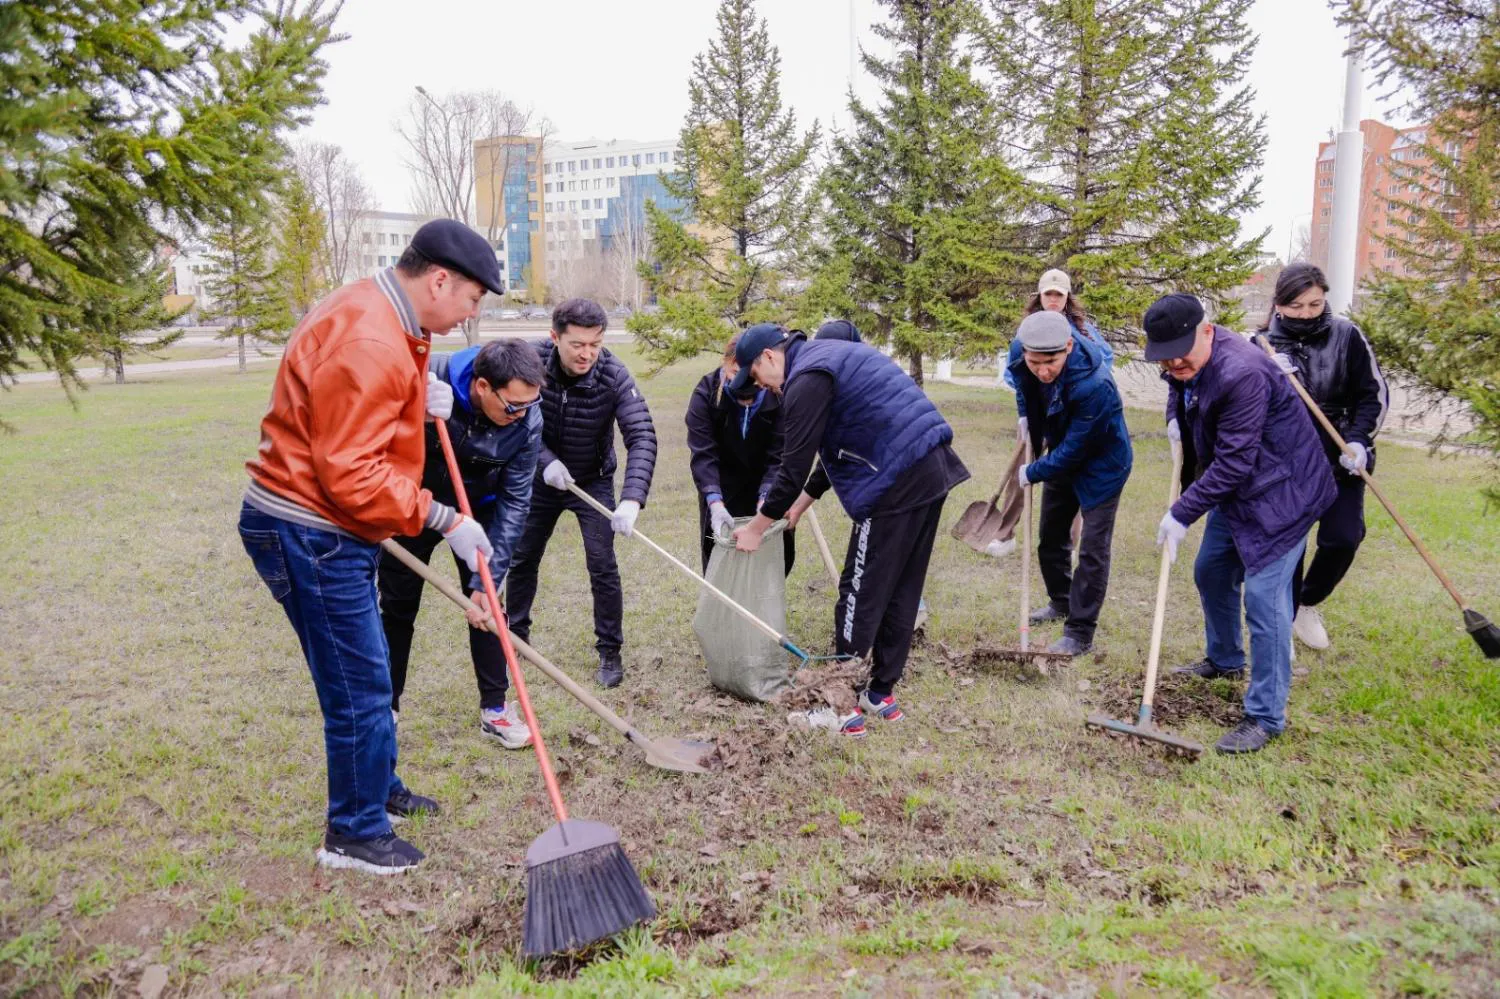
(1383, 189)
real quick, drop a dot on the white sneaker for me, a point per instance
(1308, 627)
(852, 724)
(505, 726)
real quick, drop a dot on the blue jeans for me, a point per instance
(326, 584)
(1221, 579)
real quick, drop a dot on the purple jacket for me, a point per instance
(1250, 449)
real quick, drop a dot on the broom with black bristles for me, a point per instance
(580, 886)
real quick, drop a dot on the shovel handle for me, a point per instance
(729, 601)
(822, 542)
(1416, 542)
(502, 631)
(1159, 615)
(1026, 553)
(447, 589)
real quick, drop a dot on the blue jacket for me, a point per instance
(880, 423)
(1249, 449)
(497, 463)
(1083, 430)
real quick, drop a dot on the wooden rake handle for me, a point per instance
(502, 631)
(1322, 418)
(1159, 615)
(447, 589)
(729, 601)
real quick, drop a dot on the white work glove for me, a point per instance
(624, 519)
(1021, 477)
(1021, 428)
(721, 519)
(469, 542)
(557, 476)
(1359, 462)
(1174, 432)
(1170, 533)
(1285, 364)
(439, 398)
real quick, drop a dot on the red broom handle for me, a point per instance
(503, 633)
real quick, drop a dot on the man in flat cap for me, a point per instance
(1253, 464)
(338, 470)
(1071, 410)
(886, 451)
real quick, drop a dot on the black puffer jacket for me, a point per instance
(578, 423)
(1338, 368)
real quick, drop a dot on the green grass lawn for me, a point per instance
(162, 782)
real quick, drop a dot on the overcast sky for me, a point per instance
(619, 68)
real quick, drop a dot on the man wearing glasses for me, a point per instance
(496, 427)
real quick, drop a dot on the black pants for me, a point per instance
(884, 572)
(1340, 531)
(1079, 595)
(401, 597)
(547, 505)
(706, 531)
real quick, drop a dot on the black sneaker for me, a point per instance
(403, 805)
(1044, 615)
(388, 854)
(1208, 670)
(611, 671)
(1246, 737)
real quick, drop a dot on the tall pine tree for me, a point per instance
(923, 213)
(243, 286)
(1436, 319)
(120, 118)
(745, 176)
(1137, 135)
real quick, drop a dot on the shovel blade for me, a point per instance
(968, 526)
(1485, 634)
(684, 756)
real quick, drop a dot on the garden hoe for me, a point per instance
(681, 755)
(989, 528)
(1145, 725)
(580, 886)
(1485, 634)
(1025, 654)
(730, 602)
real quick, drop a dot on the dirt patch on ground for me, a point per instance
(1179, 699)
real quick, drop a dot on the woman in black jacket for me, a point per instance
(736, 445)
(1338, 368)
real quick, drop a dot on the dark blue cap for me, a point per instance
(839, 329)
(1171, 326)
(455, 246)
(757, 338)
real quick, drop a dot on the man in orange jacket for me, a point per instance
(340, 469)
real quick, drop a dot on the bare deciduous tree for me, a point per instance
(343, 197)
(449, 158)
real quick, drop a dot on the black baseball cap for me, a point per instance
(1171, 326)
(760, 337)
(451, 244)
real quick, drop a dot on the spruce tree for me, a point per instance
(1436, 318)
(120, 119)
(131, 318)
(923, 213)
(1137, 135)
(243, 285)
(301, 247)
(745, 175)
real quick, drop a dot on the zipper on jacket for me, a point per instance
(851, 456)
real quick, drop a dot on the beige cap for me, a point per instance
(1055, 280)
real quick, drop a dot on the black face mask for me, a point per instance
(1304, 327)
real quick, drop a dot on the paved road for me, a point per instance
(273, 353)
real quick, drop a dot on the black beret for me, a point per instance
(453, 245)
